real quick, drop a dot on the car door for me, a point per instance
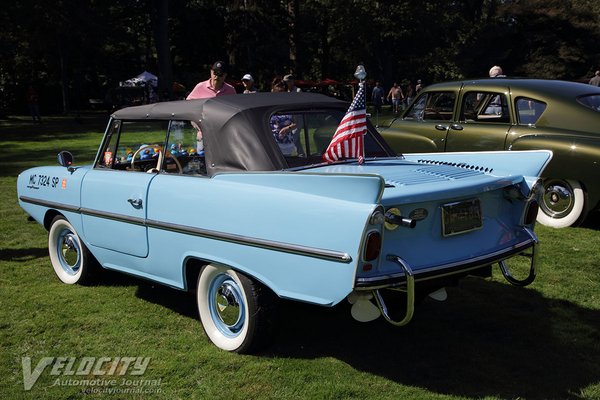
(114, 193)
(483, 119)
(425, 125)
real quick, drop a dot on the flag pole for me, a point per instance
(361, 74)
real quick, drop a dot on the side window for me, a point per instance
(485, 107)
(436, 106)
(185, 150)
(529, 110)
(592, 101)
(134, 146)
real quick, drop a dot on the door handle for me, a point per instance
(456, 127)
(136, 203)
(441, 127)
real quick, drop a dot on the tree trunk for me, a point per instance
(163, 50)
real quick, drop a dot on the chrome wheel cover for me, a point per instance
(226, 305)
(69, 252)
(558, 199)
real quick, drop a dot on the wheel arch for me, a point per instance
(192, 266)
(49, 217)
(579, 153)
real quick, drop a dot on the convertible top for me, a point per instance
(235, 127)
(193, 109)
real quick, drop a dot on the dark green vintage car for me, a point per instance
(515, 114)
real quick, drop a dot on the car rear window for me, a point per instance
(303, 137)
(591, 101)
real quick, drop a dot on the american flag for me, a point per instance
(348, 139)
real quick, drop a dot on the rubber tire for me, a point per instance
(255, 331)
(574, 217)
(85, 269)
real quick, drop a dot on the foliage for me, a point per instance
(75, 51)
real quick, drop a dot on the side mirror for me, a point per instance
(65, 159)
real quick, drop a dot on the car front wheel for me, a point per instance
(233, 309)
(562, 204)
(70, 258)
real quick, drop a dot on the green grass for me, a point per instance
(490, 340)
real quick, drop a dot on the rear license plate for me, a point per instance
(461, 217)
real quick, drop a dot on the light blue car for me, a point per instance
(198, 195)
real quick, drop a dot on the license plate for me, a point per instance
(461, 217)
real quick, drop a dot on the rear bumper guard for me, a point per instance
(408, 279)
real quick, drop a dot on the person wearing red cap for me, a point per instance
(215, 86)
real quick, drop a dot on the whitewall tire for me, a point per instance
(229, 304)
(562, 203)
(70, 258)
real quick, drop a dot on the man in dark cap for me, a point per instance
(215, 86)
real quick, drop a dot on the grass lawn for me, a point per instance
(489, 340)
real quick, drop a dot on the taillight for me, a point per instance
(372, 246)
(531, 213)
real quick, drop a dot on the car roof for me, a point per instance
(549, 87)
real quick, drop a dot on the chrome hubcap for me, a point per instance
(227, 305)
(69, 252)
(558, 199)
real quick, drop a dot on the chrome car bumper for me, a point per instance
(407, 279)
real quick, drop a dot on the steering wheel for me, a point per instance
(146, 146)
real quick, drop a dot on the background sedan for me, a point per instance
(515, 114)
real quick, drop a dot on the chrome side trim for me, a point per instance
(113, 216)
(314, 252)
(49, 204)
(262, 243)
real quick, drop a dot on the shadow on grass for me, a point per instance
(592, 221)
(22, 255)
(179, 301)
(488, 339)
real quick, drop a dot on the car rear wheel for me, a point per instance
(70, 258)
(233, 309)
(562, 204)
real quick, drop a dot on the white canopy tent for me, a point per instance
(143, 79)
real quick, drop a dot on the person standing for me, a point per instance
(33, 103)
(290, 83)
(396, 96)
(419, 86)
(248, 83)
(377, 97)
(496, 72)
(410, 93)
(215, 85)
(595, 79)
